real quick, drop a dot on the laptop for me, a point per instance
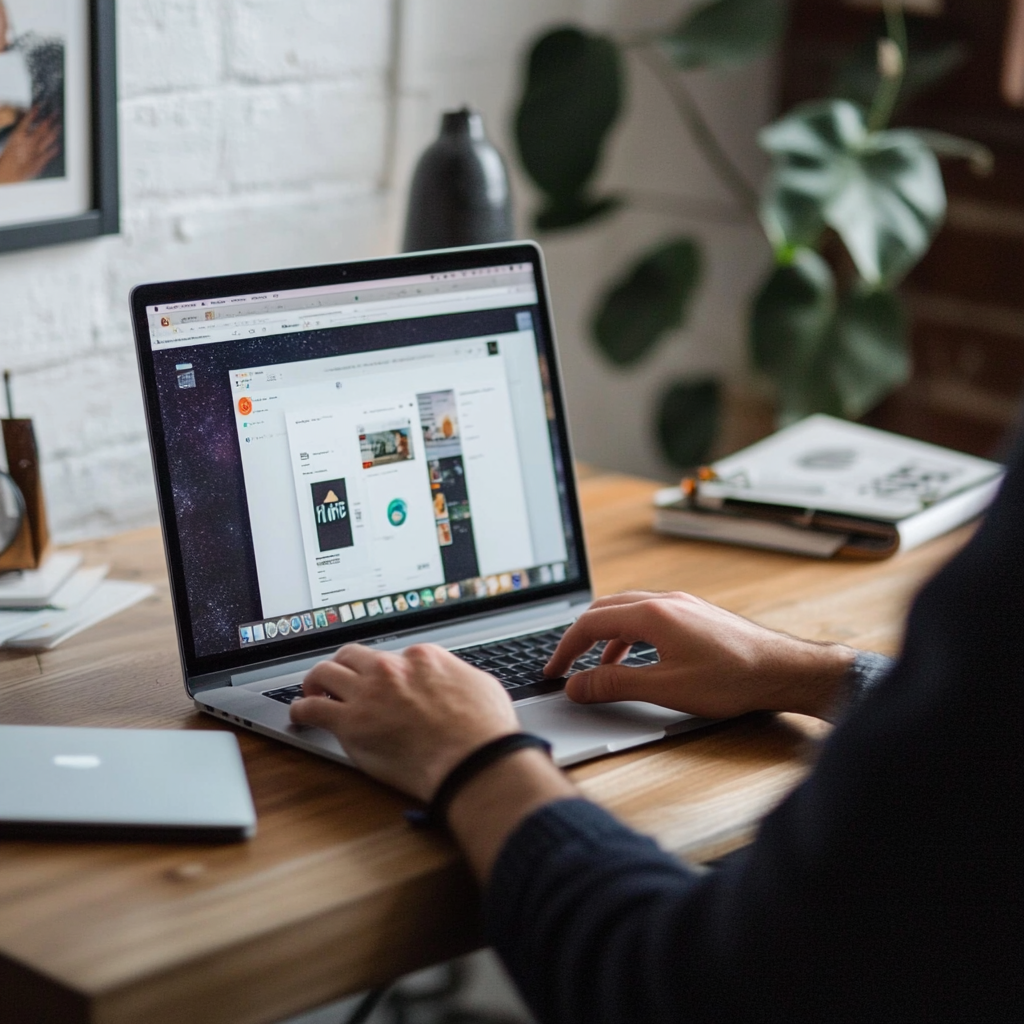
(372, 452)
(58, 782)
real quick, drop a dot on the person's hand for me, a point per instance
(406, 718)
(712, 663)
(30, 147)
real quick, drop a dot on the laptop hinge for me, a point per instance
(477, 629)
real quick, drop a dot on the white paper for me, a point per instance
(78, 587)
(52, 627)
(33, 588)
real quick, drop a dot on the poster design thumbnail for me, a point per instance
(331, 514)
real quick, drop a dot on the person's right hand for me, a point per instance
(713, 663)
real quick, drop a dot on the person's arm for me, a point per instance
(409, 718)
(713, 663)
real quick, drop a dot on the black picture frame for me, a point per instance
(103, 218)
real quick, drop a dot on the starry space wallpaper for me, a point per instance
(217, 565)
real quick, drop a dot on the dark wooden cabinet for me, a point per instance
(967, 295)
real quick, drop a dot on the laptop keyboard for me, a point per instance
(517, 663)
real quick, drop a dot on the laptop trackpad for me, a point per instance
(581, 731)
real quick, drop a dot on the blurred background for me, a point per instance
(267, 133)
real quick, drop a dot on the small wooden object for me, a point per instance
(29, 547)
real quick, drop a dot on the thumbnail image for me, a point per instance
(283, 627)
(440, 506)
(384, 445)
(387, 605)
(296, 623)
(307, 620)
(345, 611)
(330, 512)
(401, 604)
(413, 598)
(479, 587)
(320, 618)
(441, 594)
(444, 533)
(505, 582)
(373, 607)
(271, 628)
(440, 419)
(332, 616)
(454, 592)
(245, 632)
(358, 609)
(426, 597)
(257, 631)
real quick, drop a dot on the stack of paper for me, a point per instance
(41, 607)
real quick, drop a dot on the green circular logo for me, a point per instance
(397, 511)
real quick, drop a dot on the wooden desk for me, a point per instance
(336, 893)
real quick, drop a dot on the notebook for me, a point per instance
(372, 452)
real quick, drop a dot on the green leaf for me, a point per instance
(866, 355)
(578, 212)
(688, 414)
(827, 355)
(571, 98)
(881, 192)
(652, 299)
(791, 315)
(726, 33)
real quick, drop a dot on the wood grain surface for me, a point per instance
(336, 893)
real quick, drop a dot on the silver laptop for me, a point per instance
(75, 783)
(372, 452)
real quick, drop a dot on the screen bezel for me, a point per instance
(441, 261)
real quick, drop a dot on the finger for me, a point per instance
(615, 651)
(319, 712)
(330, 679)
(360, 659)
(624, 597)
(609, 683)
(618, 622)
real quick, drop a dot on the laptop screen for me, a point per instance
(339, 453)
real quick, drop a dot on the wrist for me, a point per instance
(816, 678)
(492, 805)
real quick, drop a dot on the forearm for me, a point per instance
(489, 808)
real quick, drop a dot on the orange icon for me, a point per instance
(165, 321)
(245, 405)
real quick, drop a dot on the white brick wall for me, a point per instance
(259, 133)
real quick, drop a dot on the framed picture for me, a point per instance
(58, 122)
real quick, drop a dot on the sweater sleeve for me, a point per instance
(885, 887)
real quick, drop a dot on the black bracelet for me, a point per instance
(435, 816)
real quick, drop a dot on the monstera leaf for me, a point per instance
(866, 354)
(688, 420)
(652, 299)
(839, 355)
(571, 98)
(726, 33)
(881, 192)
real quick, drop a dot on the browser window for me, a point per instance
(358, 450)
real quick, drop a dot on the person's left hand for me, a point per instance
(406, 718)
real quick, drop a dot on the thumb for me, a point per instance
(608, 683)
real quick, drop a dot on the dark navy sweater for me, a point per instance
(886, 887)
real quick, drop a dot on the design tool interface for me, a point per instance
(359, 450)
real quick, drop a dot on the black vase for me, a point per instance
(459, 193)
